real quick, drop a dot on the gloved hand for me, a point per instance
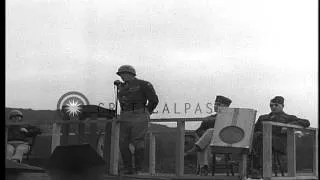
(284, 130)
(24, 130)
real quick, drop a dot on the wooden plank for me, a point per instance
(65, 134)
(152, 155)
(56, 130)
(151, 120)
(142, 177)
(287, 125)
(252, 133)
(294, 178)
(291, 152)
(243, 166)
(8, 123)
(306, 177)
(180, 148)
(241, 118)
(107, 145)
(177, 150)
(101, 120)
(193, 177)
(12, 166)
(114, 159)
(93, 133)
(316, 155)
(267, 150)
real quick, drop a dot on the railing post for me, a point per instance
(315, 152)
(65, 128)
(180, 148)
(152, 155)
(114, 155)
(107, 146)
(93, 133)
(81, 132)
(291, 152)
(56, 130)
(267, 150)
(6, 141)
(243, 165)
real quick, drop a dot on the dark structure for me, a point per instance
(75, 162)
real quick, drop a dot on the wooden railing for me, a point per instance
(59, 128)
(115, 130)
(291, 152)
(114, 145)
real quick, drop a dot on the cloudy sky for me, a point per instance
(191, 51)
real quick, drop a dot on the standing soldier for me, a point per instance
(137, 100)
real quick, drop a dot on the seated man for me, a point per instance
(278, 133)
(205, 132)
(18, 143)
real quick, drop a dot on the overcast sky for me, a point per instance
(191, 51)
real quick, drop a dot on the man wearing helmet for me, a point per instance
(18, 143)
(137, 100)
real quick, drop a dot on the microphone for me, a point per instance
(117, 82)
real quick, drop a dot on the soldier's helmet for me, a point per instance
(126, 69)
(14, 113)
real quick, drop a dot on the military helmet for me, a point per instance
(15, 113)
(126, 69)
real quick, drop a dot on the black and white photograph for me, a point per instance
(161, 89)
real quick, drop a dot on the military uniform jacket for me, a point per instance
(278, 139)
(207, 123)
(137, 94)
(280, 117)
(15, 133)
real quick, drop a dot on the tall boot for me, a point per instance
(139, 158)
(127, 160)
